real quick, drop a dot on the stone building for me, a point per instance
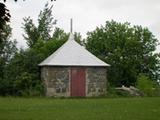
(73, 71)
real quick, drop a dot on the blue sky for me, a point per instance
(87, 14)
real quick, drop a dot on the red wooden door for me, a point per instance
(78, 82)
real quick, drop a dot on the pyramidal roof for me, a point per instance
(72, 54)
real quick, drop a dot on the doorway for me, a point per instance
(78, 76)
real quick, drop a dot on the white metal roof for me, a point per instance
(72, 54)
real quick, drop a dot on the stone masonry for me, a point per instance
(57, 81)
(96, 81)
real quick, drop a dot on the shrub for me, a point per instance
(146, 85)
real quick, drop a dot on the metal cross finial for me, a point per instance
(71, 25)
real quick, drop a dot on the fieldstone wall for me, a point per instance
(96, 81)
(56, 81)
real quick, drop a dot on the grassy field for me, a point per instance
(79, 109)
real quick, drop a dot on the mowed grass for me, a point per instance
(79, 109)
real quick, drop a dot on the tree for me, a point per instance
(4, 18)
(128, 49)
(5, 15)
(7, 51)
(45, 22)
(31, 32)
(44, 28)
(23, 71)
(59, 34)
(78, 38)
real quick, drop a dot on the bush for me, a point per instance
(146, 85)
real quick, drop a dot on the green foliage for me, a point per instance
(78, 38)
(20, 74)
(23, 71)
(4, 17)
(7, 51)
(45, 22)
(128, 49)
(27, 86)
(5, 36)
(43, 30)
(146, 85)
(59, 34)
(31, 31)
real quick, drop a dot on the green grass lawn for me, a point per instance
(79, 109)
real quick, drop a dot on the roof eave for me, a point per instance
(107, 65)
